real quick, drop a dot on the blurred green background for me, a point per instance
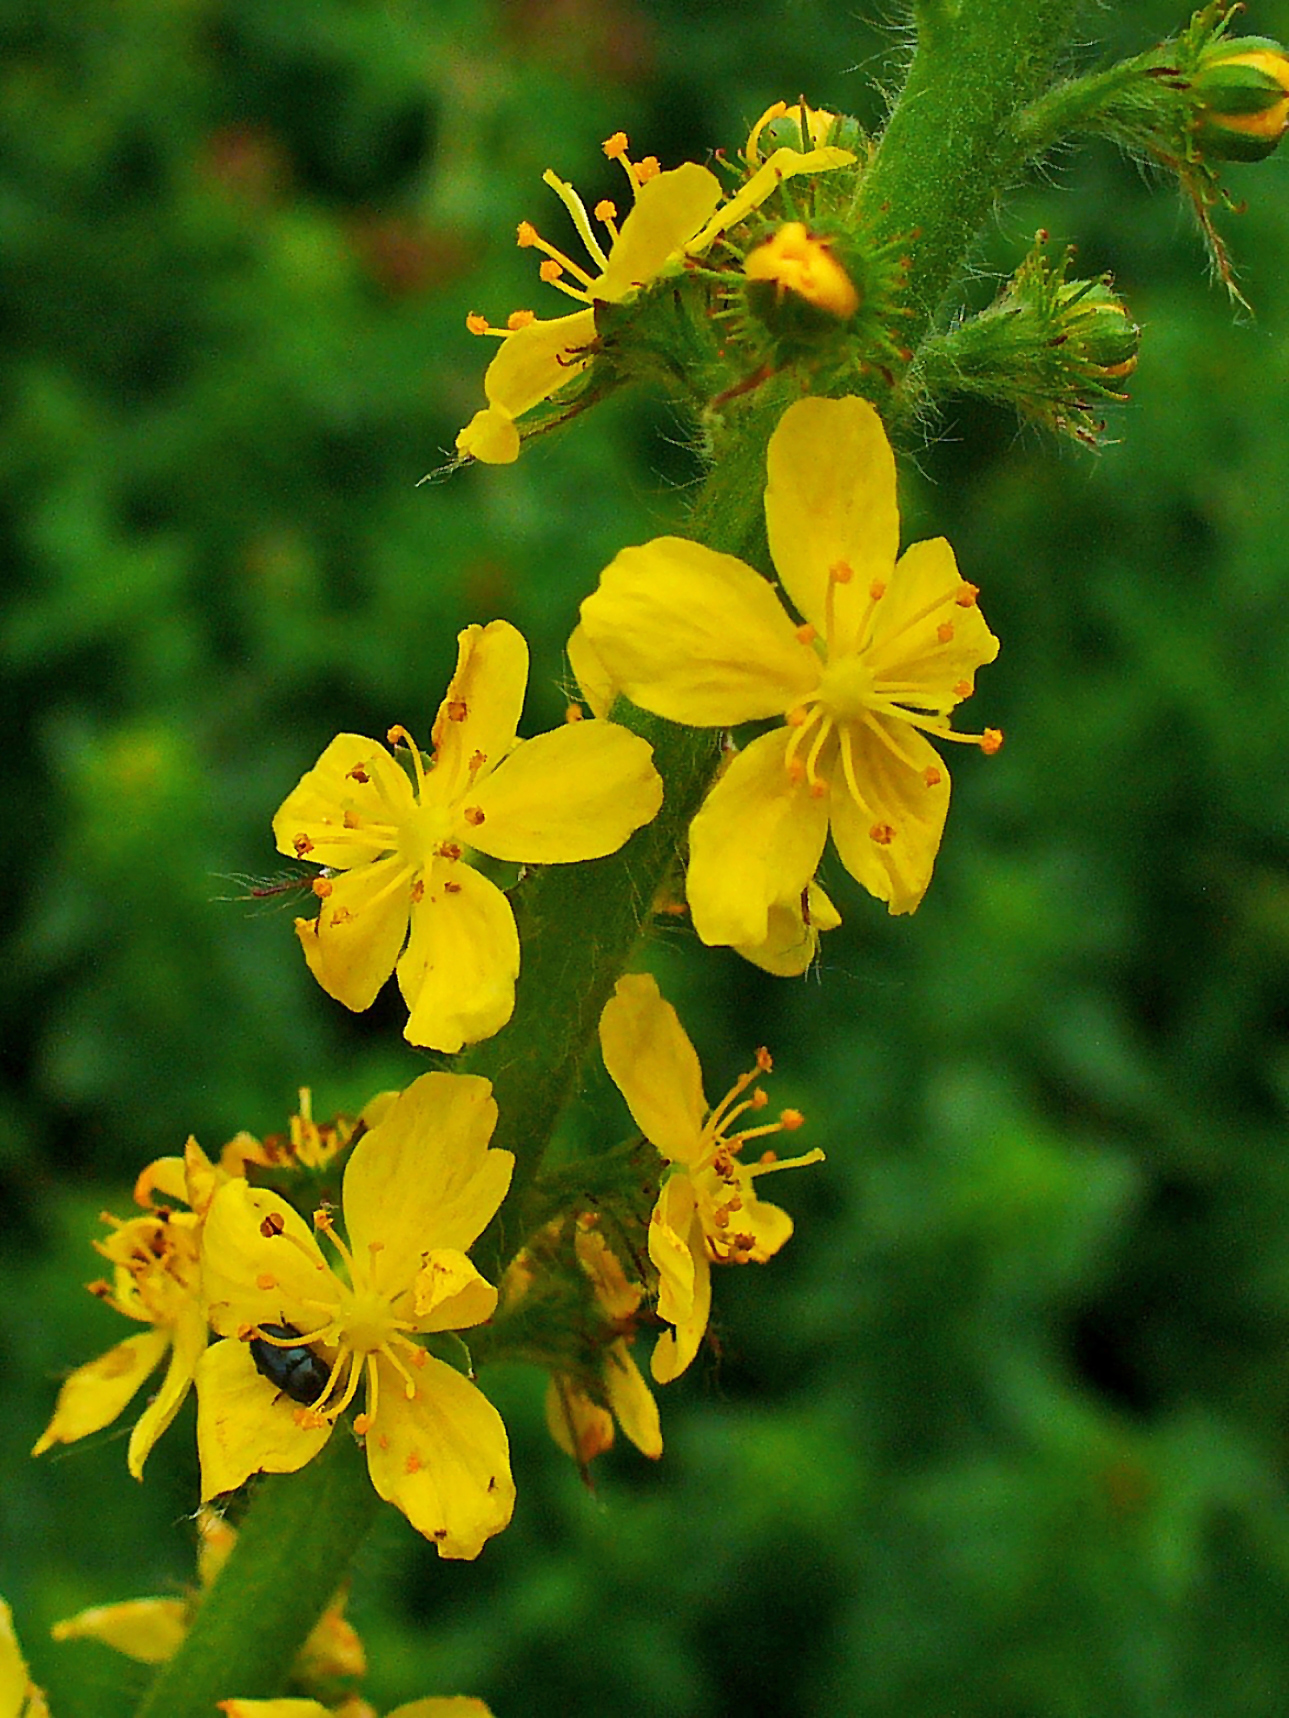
(1002, 1434)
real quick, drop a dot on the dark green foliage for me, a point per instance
(1001, 1434)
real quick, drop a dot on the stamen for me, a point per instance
(399, 733)
(578, 215)
(801, 720)
(818, 786)
(274, 1228)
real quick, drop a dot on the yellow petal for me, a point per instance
(261, 1264)
(449, 1293)
(189, 1342)
(632, 1401)
(594, 681)
(905, 797)
(675, 1247)
(340, 815)
(458, 972)
(150, 1631)
(669, 209)
(425, 1178)
(442, 1457)
(579, 1426)
(792, 937)
(95, 1393)
(906, 644)
(769, 1225)
(830, 498)
(164, 1175)
(333, 1648)
(17, 1693)
(244, 1425)
(490, 437)
(675, 1349)
(442, 1706)
(352, 945)
(783, 164)
(282, 1708)
(653, 1064)
(575, 793)
(696, 636)
(755, 842)
(477, 720)
(535, 361)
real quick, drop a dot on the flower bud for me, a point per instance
(793, 261)
(1243, 87)
(800, 127)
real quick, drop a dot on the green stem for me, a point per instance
(291, 1555)
(951, 146)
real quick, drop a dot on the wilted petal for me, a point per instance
(442, 1457)
(95, 1393)
(632, 1401)
(575, 793)
(675, 1247)
(755, 842)
(675, 1349)
(579, 1426)
(653, 1064)
(150, 1631)
(696, 636)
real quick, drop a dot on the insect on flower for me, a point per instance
(294, 1367)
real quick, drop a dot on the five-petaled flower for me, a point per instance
(674, 216)
(395, 848)
(156, 1281)
(708, 1211)
(418, 1190)
(885, 650)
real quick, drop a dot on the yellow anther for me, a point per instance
(944, 632)
(795, 718)
(791, 1120)
(806, 634)
(362, 1424)
(574, 713)
(882, 833)
(764, 1060)
(962, 688)
(457, 710)
(606, 211)
(932, 776)
(550, 270)
(841, 572)
(877, 590)
(991, 741)
(322, 887)
(266, 1281)
(476, 324)
(966, 597)
(473, 815)
(520, 319)
(525, 235)
(616, 146)
(302, 846)
(647, 169)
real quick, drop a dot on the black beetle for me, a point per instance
(296, 1370)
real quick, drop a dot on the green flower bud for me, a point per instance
(1243, 87)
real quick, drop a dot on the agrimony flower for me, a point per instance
(155, 1281)
(884, 652)
(399, 891)
(674, 215)
(418, 1190)
(708, 1211)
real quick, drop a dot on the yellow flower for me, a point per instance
(707, 1212)
(151, 1631)
(794, 260)
(580, 1426)
(396, 849)
(674, 216)
(450, 1706)
(19, 1696)
(886, 651)
(156, 1281)
(418, 1190)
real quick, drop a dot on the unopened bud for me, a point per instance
(1243, 88)
(797, 126)
(796, 261)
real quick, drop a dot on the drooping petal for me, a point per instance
(676, 1348)
(575, 793)
(490, 437)
(675, 1248)
(669, 209)
(442, 1457)
(189, 1342)
(653, 1064)
(459, 969)
(921, 636)
(697, 636)
(755, 842)
(888, 839)
(449, 1293)
(783, 164)
(352, 945)
(830, 498)
(244, 1425)
(632, 1401)
(18, 1694)
(792, 937)
(478, 718)
(769, 1225)
(150, 1631)
(342, 811)
(93, 1395)
(425, 1178)
(261, 1264)
(535, 361)
(579, 1426)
